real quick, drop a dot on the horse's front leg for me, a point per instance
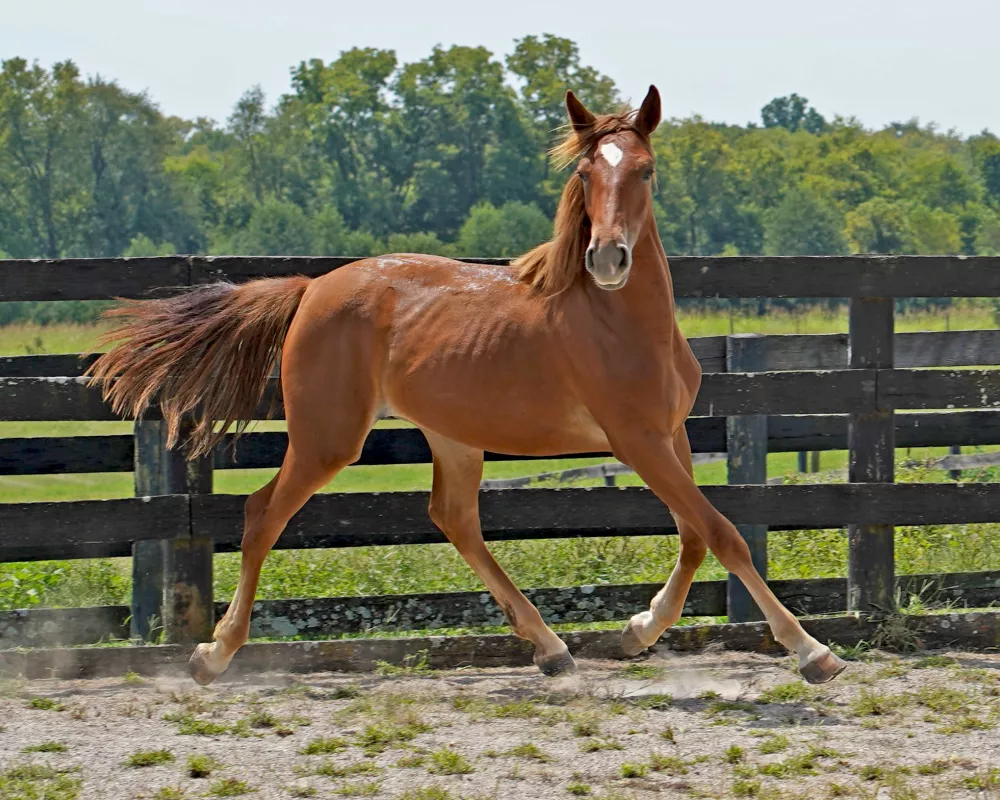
(653, 455)
(667, 606)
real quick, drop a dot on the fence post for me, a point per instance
(171, 578)
(746, 461)
(872, 446)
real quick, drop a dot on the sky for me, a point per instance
(878, 60)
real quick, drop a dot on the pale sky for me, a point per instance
(878, 60)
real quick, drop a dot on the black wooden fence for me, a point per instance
(760, 394)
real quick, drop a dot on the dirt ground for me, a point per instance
(715, 725)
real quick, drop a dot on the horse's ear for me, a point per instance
(578, 113)
(649, 113)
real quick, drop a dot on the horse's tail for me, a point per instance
(207, 351)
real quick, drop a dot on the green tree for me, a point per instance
(804, 224)
(143, 246)
(935, 231)
(417, 243)
(277, 228)
(792, 113)
(508, 231)
(879, 226)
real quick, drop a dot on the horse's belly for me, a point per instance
(515, 423)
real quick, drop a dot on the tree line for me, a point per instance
(365, 154)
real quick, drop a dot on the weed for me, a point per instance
(45, 704)
(793, 692)
(330, 770)
(369, 789)
(427, 793)
(630, 770)
(667, 734)
(672, 765)
(133, 678)
(46, 747)
(346, 692)
(229, 787)
(983, 781)
(188, 725)
(932, 662)
(775, 743)
(733, 755)
(578, 788)
(263, 719)
(411, 762)
(297, 790)
(324, 745)
(871, 704)
(964, 724)
(413, 665)
(594, 745)
(31, 781)
(450, 762)
(935, 767)
(529, 751)
(169, 793)
(654, 702)
(746, 788)
(586, 726)
(149, 758)
(379, 737)
(641, 672)
(201, 766)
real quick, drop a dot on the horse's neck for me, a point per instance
(649, 292)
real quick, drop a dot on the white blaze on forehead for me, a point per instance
(612, 153)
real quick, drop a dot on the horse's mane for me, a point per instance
(553, 266)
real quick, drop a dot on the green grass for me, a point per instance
(324, 745)
(229, 787)
(149, 758)
(46, 747)
(199, 766)
(37, 782)
(448, 762)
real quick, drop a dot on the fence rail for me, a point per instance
(760, 394)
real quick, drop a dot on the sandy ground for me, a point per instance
(713, 725)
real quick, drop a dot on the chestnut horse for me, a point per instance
(573, 348)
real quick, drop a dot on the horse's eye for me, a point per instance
(583, 176)
(647, 175)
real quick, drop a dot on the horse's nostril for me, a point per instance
(623, 252)
(588, 258)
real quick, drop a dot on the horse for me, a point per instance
(572, 348)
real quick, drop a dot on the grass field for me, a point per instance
(381, 570)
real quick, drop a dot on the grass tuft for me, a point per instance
(149, 758)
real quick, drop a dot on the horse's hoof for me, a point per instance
(559, 664)
(631, 643)
(199, 665)
(823, 668)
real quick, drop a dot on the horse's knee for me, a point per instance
(728, 546)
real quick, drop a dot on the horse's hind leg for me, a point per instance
(454, 508)
(666, 608)
(329, 397)
(266, 513)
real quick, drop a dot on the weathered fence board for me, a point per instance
(58, 455)
(871, 459)
(693, 276)
(328, 616)
(30, 531)
(780, 352)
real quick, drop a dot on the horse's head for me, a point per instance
(616, 172)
